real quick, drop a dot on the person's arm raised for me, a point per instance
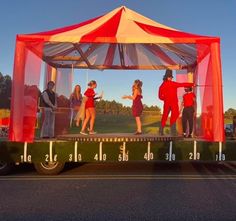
(131, 97)
(185, 84)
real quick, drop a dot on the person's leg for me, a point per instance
(174, 116)
(190, 120)
(45, 126)
(184, 121)
(92, 120)
(138, 124)
(174, 113)
(75, 116)
(166, 111)
(87, 117)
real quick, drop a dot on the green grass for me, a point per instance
(107, 123)
(228, 121)
(4, 113)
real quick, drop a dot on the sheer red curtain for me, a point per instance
(209, 77)
(25, 90)
(217, 91)
(64, 115)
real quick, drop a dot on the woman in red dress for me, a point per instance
(90, 113)
(137, 107)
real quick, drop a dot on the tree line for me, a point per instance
(113, 107)
(230, 113)
(103, 106)
(5, 91)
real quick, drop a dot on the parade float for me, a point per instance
(120, 40)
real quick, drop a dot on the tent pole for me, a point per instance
(77, 47)
(71, 110)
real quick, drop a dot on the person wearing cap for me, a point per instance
(188, 111)
(49, 104)
(168, 94)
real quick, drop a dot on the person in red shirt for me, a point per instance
(188, 111)
(90, 113)
(168, 94)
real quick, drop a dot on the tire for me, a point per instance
(49, 168)
(5, 168)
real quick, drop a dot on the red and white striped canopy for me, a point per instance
(120, 39)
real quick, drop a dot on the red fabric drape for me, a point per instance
(64, 82)
(63, 89)
(210, 86)
(47, 75)
(215, 72)
(16, 120)
(25, 92)
(135, 42)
